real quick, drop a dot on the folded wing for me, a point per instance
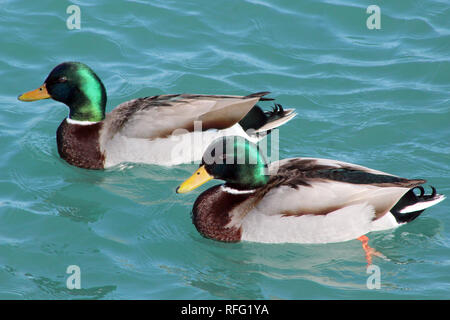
(320, 187)
(163, 115)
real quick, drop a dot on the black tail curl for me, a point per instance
(256, 118)
(409, 199)
(277, 110)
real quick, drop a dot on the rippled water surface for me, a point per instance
(379, 98)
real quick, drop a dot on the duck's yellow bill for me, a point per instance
(38, 94)
(196, 180)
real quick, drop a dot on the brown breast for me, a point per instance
(79, 145)
(211, 214)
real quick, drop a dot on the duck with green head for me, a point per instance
(144, 129)
(298, 200)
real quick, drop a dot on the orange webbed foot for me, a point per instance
(369, 250)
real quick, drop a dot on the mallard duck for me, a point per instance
(298, 200)
(157, 130)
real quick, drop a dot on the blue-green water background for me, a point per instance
(379, 98)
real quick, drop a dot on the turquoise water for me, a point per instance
(378, 98)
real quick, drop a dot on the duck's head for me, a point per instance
(233, 159)
(77, 86)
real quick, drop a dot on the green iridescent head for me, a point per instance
(77, 86)
(234, 159)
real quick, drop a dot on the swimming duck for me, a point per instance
(298, 200)
(158, 129)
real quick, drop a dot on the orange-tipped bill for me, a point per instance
(196, 180)
(38, 94)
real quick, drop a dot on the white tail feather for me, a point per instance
(423, 204)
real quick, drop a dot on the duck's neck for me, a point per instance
(236, 189)
(80, 122)
(88, 109)
(89, 102)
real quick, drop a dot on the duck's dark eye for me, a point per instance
(62, 79)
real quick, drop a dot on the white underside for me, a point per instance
(342, 225)
(174, 150)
